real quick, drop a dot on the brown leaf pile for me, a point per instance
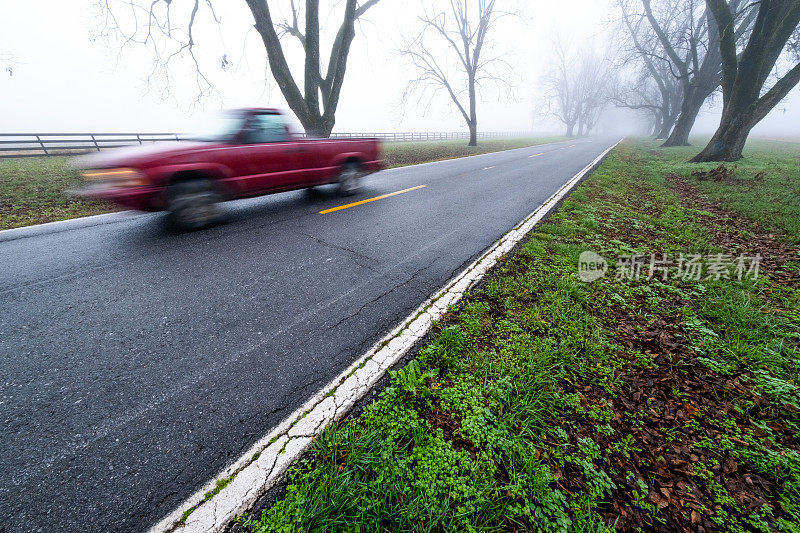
(666, 408)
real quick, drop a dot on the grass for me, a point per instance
(545, 403)
(35, 190)
(771, 200)
(221, 484)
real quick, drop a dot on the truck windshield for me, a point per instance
(218, 128)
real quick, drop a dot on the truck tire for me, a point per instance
(350, 179)
(193, 204)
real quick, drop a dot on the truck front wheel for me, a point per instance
(193, 204)
(350, 179)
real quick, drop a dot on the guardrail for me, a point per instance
(47, 144)
(39, 144)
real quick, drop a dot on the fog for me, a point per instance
(68, 75)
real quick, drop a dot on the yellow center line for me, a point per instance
(535, 155)
(381, 197)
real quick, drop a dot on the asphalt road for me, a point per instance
(136, 364)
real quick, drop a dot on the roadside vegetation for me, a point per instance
(34, 190)
(545, 403)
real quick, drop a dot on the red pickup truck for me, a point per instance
(244, 152)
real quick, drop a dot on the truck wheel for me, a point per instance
(350, 179)
(193, 204)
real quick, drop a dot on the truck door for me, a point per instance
(271, 160)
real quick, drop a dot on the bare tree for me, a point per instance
(562, 93)
(656, 94)
(464, 32)
(315, 106)
(651, 86)
(578, 88)
(745, 102)
(689, 42)
(306, 105)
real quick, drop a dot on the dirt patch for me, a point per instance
(450, 424)
(725, 174)
(737, 234)
(721, 173)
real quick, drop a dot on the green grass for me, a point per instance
(221, 484)
(36, 189)
(772, 201)
(548, 404)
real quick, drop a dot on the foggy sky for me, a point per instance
(67, 77)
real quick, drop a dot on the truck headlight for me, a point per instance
(119, 177)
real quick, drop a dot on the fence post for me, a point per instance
(42, 145)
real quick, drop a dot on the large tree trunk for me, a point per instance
(663, 126)
(570, 129)
(654, 131)
(690, 108)
(663, 132)
(729, 140)
(317, 127)
(317, 118)
(744, 74)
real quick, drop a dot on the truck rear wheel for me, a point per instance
(193, 204)
(350, 179)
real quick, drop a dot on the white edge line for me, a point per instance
(264, 464)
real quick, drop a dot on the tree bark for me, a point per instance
(317, 118)
(663, 127)
(744, 75)
(690, 108)
(728, 141)
(473, 113)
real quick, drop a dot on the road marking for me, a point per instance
(535, 155)
(571, 146)
(488, 168)
(381, 197)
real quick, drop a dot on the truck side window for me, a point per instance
(265, 128)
